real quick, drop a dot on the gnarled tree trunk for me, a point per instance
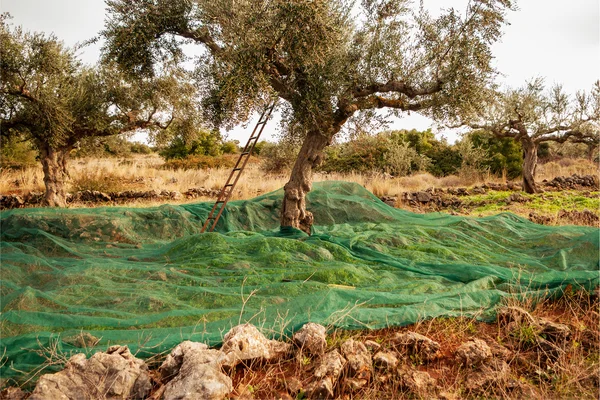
(54, 164)
(293, 212)
(529, 165)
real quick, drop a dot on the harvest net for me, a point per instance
(78, 280)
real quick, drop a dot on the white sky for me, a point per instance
(554, 39)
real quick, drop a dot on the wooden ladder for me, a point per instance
(227, 190)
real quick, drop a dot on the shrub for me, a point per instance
(504, 156)
(17, 153)
(203, 142)
(401, 159)
(230, 147)
(278, 157)
(140, 148)
(363, 155)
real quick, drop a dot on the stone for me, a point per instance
(385, 360)
(445, 395)
(416, 344)
(500, 351)
(332, 364)
(311, 338)
(245, 342)
(423, 197)
(473, 352)
(327, 374)
(418, 382)
(372, 345)
(359, 364)
(554, 331)
(13, 393)
(196, 373)
(354, 384)
(506, 315)
(321, 389)
(494, 372)
(293, 385)
(116, 374)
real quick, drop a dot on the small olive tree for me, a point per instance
(48, 97)
(532, 115)
(329, 60)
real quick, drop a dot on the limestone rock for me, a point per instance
(116, 374)
(506, 315)
(327, 374)
(332, 365)
(385, 360)
(372, 345)
(417, 344)
(554, 331)
(353, 384)
(321, 389)
(311, 338)
(418, 382)
(13, 393)
(245, 342)
(473, 352)
(198, 373)
(494, 372)
(500, 351)
(359, 359)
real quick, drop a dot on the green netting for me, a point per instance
(147, 278)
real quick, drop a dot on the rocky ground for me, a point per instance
(548, 352)
(467, 201)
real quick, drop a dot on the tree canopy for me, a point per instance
(533, 114)
(329, 61)
(48, 96)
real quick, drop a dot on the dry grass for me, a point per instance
(534, 373)
(144, 172)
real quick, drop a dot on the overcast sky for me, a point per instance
(554, 39)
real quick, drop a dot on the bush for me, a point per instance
(363, 155)
(445, 160)
(278, 157)
(230, 147)
(401, 159)
(203, 142)
(17, 153)
(504, 156)
(140, 148)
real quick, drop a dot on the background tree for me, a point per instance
(47, 96)
(330, 60)
(504, 155)
(531, 115)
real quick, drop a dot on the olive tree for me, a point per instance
(532, 115)
(47, 96)
(330, 61)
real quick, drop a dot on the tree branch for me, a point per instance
(200, 35)
(399, 87)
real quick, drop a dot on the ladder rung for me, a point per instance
(224, 194)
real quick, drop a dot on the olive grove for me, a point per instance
(329, 61)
